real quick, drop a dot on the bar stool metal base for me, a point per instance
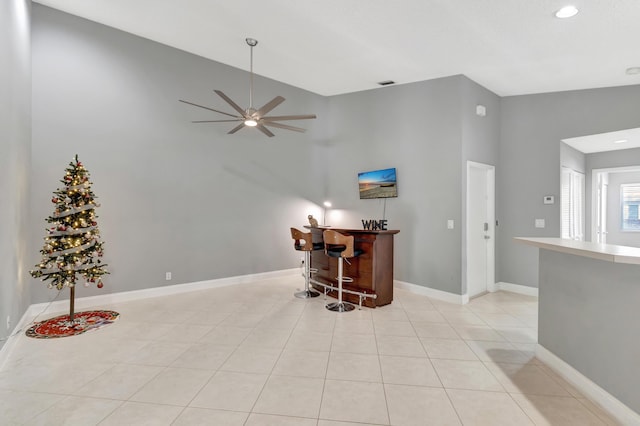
(340, 307)
(306, 294)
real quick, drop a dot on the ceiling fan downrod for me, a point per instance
(252, 43)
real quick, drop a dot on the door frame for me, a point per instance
(490, 173)
(600, 202)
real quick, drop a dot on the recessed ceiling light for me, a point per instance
(633, 70)
(621, 141)
(567, 12)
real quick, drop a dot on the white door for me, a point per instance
(480, 228)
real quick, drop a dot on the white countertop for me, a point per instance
(607, 252)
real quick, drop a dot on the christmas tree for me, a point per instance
(72, 245)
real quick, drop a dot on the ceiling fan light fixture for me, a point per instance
(252, 117)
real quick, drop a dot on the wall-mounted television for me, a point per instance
(378, 184)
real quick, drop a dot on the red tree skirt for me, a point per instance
(62, 327)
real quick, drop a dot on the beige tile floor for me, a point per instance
(253, 355)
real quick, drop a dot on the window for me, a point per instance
(629, 206)
(572, 204)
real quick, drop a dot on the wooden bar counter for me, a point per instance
(372, 271)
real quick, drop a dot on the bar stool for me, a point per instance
(303, 242)
(340, 246)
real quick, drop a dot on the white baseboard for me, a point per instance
(445, 296)
(40, 309)
(9, 345)
(126, 296)
(591, 390)
(515, 288)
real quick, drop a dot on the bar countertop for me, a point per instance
(354, 231)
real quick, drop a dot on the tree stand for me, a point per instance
(72, 298)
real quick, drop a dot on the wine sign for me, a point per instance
(374, 225)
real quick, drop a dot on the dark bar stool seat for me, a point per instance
(340, 246)
(303, 242)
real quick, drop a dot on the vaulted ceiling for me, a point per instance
(331, 47)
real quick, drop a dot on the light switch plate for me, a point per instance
(539, 223)
(450, 224)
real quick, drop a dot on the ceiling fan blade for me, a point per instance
(284, 126)
(270, 105)
(210, 109)
(235, 129)
(264, 130)
(230, 102)
(289, 117)
(218, 121)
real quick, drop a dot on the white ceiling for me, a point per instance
(611, 141)
(330, 47)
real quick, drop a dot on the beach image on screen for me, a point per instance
(378, 184)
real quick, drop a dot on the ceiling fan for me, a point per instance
(252, 117)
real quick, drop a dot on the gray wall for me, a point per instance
(192, 200)
(588, 317)
(121, 113)
(531, 129)
(572, 158)
(480, 143)
(176, 196)
(427, 130)
(15, 143)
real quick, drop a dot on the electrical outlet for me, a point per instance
(167, 276)
(8, 322)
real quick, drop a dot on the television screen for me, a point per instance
(378, 184)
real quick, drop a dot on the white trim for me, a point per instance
(7, 348)
(126, 296)
(515, 288)
(591, 390)
(461, 299)
(594, 192)
(85, 302)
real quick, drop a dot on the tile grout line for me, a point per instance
(276, 363)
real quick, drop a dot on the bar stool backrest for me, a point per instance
(302, 240)
(334, 238)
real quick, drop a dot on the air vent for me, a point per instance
(386, 83)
